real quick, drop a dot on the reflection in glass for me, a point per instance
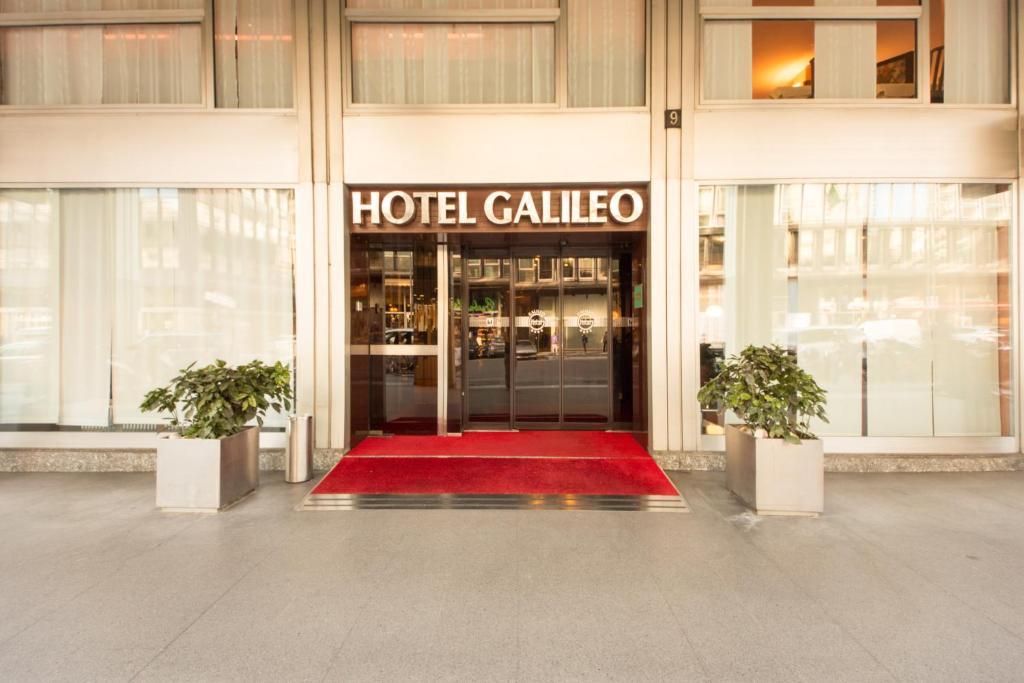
(537, 342)
(488, 343)
(586, 344)
(109, 293)
(895, 296)
(400, 309)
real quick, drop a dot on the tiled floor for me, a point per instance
(906, 577)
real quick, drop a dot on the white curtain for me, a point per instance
(755, 267)
(116, 64)
(453, 63)
(977, 62)
(728, 56)
(202, 275)
(845, 56)
(607, 50)
(826, 309)
(74, 5)
(86, 217)
(925, 312)
(254, 52)
(29, 306)
(450, 4)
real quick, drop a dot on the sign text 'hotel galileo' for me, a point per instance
(492, 209)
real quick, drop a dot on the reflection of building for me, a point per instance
(843, 181)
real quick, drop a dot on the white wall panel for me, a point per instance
(170, 148)
(497, 148)
(832, 142)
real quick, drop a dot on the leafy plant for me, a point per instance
(218, 400)
(766, 389)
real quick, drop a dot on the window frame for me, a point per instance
(558, 16)
(917, 13)
(203, 17)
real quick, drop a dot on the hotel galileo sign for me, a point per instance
(497, 209)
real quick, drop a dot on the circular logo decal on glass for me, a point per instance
(537, 320)
(585, 321)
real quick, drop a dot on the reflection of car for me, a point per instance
(496, 348)
(399, 335)
(525, 349)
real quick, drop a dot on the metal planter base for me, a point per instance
(774, 477)
(207, 475)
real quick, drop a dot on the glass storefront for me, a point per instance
(106, 294)
(895, 296)
(534, 338)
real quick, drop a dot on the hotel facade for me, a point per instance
(449, 215)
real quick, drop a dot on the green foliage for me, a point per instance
(766, 389)
(217, 401)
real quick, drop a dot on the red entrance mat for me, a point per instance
(541, 476)
(582, 444)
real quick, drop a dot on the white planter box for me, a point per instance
(774, 477)
(207, 475)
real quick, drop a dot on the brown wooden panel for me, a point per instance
(558, 208)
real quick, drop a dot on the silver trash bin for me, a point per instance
(298, 456)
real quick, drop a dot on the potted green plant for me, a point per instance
(772, 460)
(211, 458)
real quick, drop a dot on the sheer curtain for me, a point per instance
(202, 275)
(450, 4)
(453, 63)
(29, 306)
(86, 306)
(115, 64)
(845, 56)
(896, 297)
(73, 5)
(607, 53)
(254, 53)
(977, 49)
(728, 56)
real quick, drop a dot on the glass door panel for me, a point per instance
(537, 343)
(586, 346)
(488, 341)
(396, 301)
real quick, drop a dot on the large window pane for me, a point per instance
(105, 294)
(607, 42)
(76, 5)
(450, 4)
(803, 59)
(254, 52)
(116, 64)
(29, 306)
(453, 63)
(896, 297)
(970, 51)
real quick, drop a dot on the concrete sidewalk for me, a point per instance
(906, 577)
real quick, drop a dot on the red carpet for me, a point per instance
(540, 444)
(540, 463)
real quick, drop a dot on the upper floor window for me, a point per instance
(146, 52)
(497, 52)
(856, 49)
